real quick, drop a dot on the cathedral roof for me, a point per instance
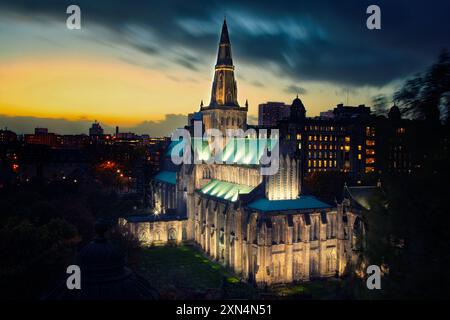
(241, 151)
(225, 190)
(361, 195)
(302, 203)
(166, 176)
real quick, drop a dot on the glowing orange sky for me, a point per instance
(111, 91)
(47, 71)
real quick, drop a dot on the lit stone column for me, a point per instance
(289, 253)
(307, 255)
(322, 248)
(238, 256)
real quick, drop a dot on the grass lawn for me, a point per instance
(186, 270)
(317, 289)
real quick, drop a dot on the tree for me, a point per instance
(407, 234)
(326, 185)
(380, 104)
(424, 95)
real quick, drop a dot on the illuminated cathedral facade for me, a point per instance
(262, 227)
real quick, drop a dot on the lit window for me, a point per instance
(359, 156)
(359, 147)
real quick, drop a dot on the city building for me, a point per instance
(270, 113)
(41, 136)
(96, 129)
(7, 136)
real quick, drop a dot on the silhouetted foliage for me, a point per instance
(42, 225)
(327, 186)
(423, 96)
(407, 235)
(380, 104)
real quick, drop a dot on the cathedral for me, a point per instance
(262, 227)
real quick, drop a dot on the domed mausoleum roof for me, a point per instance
(298, 103)
(298, 111)
(394, 113)
(104, 275)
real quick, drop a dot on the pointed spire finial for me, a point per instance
(297, 95)
(201, 103)
(246, 103)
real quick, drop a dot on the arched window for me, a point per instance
(157, 235)
(331, 262)
(317, 233)
(329, 227)
(357, 234)
(299, 231)
(172, 234)
(313, 266)
(314, 230)
(333, 227)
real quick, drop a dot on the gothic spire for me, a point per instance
(224, 89)
(224, 53)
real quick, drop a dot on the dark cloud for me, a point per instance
(258, 84)
(302, 40)
(187, 63)
(294, 90)
(23, 125)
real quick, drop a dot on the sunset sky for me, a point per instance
(139, 64)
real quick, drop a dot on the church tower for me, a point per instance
(224, 111)
(224, 90)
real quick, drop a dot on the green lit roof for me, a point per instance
(236, 150)
(166, 176)
(225, 190)
(303, 202)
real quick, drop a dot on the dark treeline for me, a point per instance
(42, 227)
(407, 228)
